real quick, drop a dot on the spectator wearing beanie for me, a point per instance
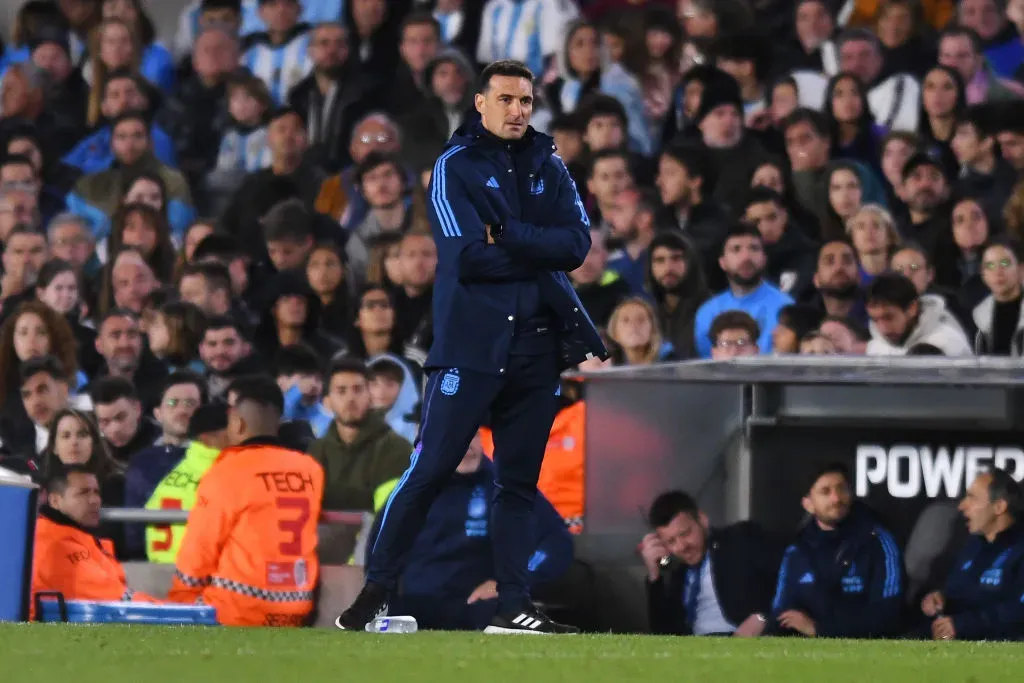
(733, 153)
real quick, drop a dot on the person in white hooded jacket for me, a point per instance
(1000, 316)
(902, 320)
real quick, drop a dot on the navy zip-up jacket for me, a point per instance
(453, 554)
(485, 293)
(849, 581)
(985, 590)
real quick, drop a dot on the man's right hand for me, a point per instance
(490, 239)
(652, 550)
(933, 604)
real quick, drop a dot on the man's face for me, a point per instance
(506, 106)
(743, 260)
(288, 254)
(368, 13)
(120, 343)
(384, 392)
(967, 145)
(129, 141)
(837, 268)
(674, 183)
(17, 174)
(977, 506)
(829, 499)
(121, 95)
(596, 261)
(133, 282)
(984, 16)
(807, 151)
(860, 58)
(80, 501)
(418, 260)
(222, 348)
(53, 60)
(685, 537)
(119, 421)
(43, 396)
(382, 187)
(770, 219)
(71, 242)
(1012, 146)
(722, 127)
(349, 398)
(27, 147)
(733, 343)
(418, 46)
(668, 267)
(192, 288)
(286, 137)
(926, 188)
(16, 207)
(176, 408)
(329, 48)
(814, 25)
(215, 55)
(604, 132)
(449, 83)
(957, 52)
(891, 321)
(373, 135)
(25, 253)
(610, 177)
(280, 16)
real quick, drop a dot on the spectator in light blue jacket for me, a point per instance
(743, 260)
(582, 73)
(122, 92)
(301, 378)
(393, 390)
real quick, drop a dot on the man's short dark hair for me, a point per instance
(184, 377)
(130, 115)
(107, 390)
(566, 122)
(259, 389)
(815, 119)
(220, 322)
(375, 160)
(892, 289)
(298, 359)
(741, 229)
(421, 18)
(388, 369)
(608, 154)
(503, 67)
(960, 31)
(834, 467)
(126, 74)
(18, 160)
(288, 221)
(216, 275)
(597, 105)
(57, 480)
(219, 246)
(118, 312)
(734, 320)
(694, 158)
(45, 364)
(764, 195)
(858, 35)
(856, 329)
(837, 240)
(1004, 487)
(25, 229)
(667, 506)
(350, 366)
(801, 318)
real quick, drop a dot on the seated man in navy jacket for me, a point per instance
(703, 580)
(448, 582)
(843, 577)
(983, 598)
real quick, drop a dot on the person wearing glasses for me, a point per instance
(999, 317)
(734, 334)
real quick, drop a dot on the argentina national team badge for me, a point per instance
(450, 383)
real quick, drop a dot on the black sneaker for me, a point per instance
(372, 602)
(530, 621)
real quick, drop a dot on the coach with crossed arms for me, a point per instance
(508, 222)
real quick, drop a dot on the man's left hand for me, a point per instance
(799, 622)
(490, 237)
(488, 590)
(943, 629)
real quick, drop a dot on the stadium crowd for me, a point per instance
(775, 177)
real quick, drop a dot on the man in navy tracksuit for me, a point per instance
(508, 223)
(843, 578)
(448, 582)
(983, 598)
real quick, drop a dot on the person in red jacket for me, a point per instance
(68, 557)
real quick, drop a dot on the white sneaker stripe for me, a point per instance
(536, 623)
(519, 618)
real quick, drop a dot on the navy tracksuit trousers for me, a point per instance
(522, 403)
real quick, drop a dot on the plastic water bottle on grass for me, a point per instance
(392, 625)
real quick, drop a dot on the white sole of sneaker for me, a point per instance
(498, 630)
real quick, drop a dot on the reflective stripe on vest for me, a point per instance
(261, 593)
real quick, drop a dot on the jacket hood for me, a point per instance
(983, 318)
(408, 396)
(459, 59)
(289, 283)
(693, 284)
(935, 326)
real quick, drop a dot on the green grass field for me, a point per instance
(135, 654)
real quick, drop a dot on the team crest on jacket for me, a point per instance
(537, 187)
(450, 383)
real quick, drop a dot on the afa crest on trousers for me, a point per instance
(450, 383)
